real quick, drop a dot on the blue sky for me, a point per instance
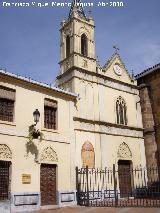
(29, 37)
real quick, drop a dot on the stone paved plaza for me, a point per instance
(100, 210)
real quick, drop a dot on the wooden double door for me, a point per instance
(48, 184)
(125, 178)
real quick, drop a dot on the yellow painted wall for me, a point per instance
(15, 136)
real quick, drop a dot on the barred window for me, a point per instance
(121, 111)
(6, 109)
(50, 114)
(7, 99)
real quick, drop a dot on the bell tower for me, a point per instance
(77, 45)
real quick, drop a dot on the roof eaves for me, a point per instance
(148, 71)
(26, 79)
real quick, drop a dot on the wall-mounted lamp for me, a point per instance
(33, 132)
(36, 115)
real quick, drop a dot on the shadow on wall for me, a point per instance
(32, 148)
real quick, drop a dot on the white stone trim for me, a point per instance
(5, 73)
(124, 152)
(99, 80)
(48, 155)
(54, 137)
(110, 130)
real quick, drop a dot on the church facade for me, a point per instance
(92, 118)
(107, 114)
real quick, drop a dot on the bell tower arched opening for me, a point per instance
(84, 45)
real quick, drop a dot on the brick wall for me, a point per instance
(150, 104)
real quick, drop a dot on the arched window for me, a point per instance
(88, 156)
(121, 111)
(67, 46)
(84, 45)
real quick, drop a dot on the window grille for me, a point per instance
(7, 98)
(6, 109)
(50, 114)
(4, 180)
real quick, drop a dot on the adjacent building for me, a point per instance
(149, 84)
(34, 171)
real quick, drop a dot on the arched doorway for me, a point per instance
(88, 155)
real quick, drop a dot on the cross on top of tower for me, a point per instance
(116, 48)
(90, 12)
(78, 8)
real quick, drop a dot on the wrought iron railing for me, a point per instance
(118, 187)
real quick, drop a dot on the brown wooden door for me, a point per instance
(4, 180)
(48, 184)
(124, 174)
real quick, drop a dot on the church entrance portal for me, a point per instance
(124, 176)
(48, 184)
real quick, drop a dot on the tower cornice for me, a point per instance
(90, 22)
(76, 53)
(72, 69)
